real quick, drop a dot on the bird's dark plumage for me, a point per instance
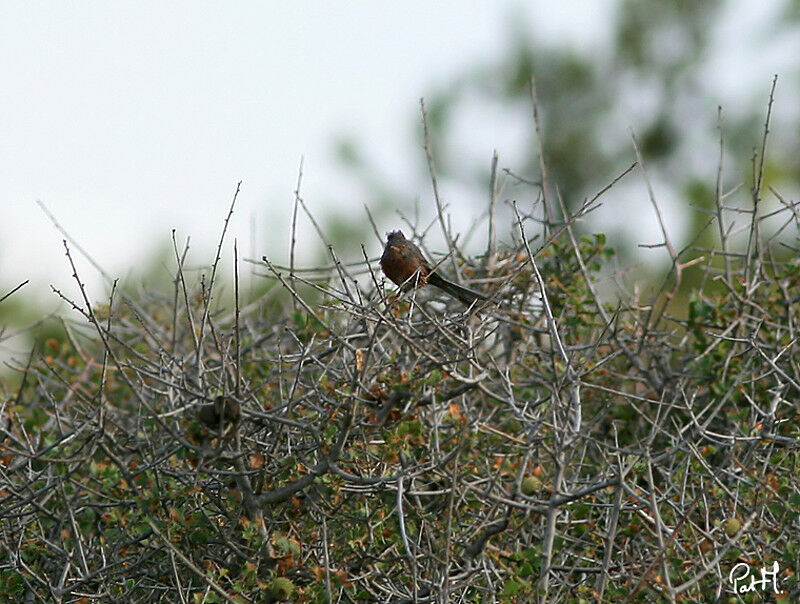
(404, 264)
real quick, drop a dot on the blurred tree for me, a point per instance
(654, 78)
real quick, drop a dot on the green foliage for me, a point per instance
(148, 481)
(387, 448)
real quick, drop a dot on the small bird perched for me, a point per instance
(223, 410)
(404, 264)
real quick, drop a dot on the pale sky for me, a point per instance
(129, 119)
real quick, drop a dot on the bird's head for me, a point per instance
(395, 238)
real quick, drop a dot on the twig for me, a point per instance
(293, 239)
(549, 219)
(24, 283)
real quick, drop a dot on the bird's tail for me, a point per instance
(464, 294)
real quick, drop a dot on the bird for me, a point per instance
(403, 262)
(223, 410)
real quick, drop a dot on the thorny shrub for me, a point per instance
(338, 441)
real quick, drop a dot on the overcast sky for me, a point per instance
(128, 119)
